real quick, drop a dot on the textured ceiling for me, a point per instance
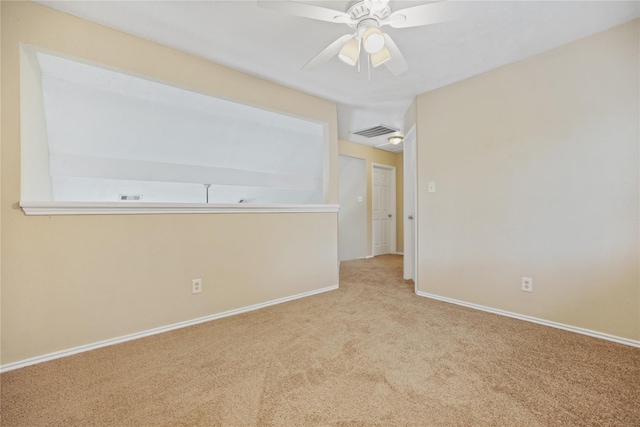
(275, 46)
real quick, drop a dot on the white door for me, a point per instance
(409, 219)
(383, 203)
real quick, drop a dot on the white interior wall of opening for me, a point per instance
(110, 134)
(352, 218)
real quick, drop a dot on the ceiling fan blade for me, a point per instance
(307, 11)
(327, 53)
(397, 64)
(425, 14)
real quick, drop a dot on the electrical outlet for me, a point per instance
(196, 286)
(527, 284)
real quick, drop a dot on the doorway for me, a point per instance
(383, 209)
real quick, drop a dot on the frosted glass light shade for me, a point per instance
(373, 40)
(380, 57)
(396, 139)
(350, 52)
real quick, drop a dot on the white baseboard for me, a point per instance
(154, 331)
(577, 330)
(390, 253)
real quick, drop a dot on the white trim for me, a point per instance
(398, 253)
(368, 257)
(155, 331)
(575, 329)
(136, 208)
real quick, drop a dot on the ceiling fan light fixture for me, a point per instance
(396, 139)
(350, 52)
(373, 40)
(380, 57)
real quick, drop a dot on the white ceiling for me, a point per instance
(274, 46)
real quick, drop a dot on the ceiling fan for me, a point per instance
(365, 18)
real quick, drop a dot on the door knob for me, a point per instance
(410, 217)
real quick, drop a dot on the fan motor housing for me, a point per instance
(361, 13)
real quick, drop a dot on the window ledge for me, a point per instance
(141, 208)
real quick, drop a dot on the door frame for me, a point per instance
(393, 237)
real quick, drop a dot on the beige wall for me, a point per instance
(537, 172)
(375, 155)
(74, 280)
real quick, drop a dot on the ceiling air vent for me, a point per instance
(375, 131)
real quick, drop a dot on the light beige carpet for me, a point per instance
(369, 354)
